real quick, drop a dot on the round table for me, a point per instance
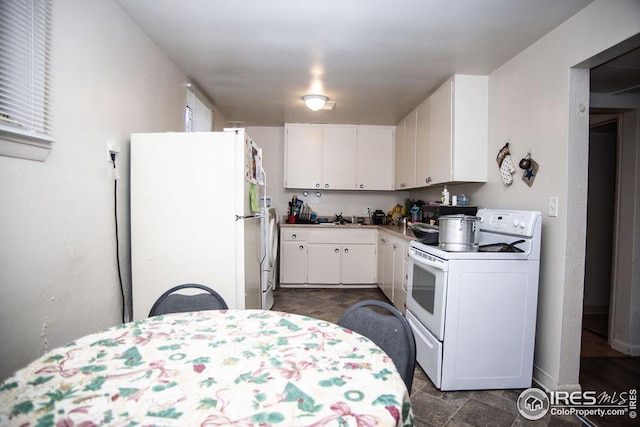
(211, 368)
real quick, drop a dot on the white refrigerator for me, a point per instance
(196, 216)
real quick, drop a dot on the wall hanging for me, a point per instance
(530, 168)
(507, 168)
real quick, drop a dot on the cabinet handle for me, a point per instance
(395, 246)
(318, 185)
(361, 186)
(326, 186)
(301, 247)
(346, 251)
(337, 250)
(293, 236)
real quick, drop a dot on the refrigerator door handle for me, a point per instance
(258, 216)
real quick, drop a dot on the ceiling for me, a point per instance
(618, 76)
(376, 59)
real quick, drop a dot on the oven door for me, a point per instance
(427, 290)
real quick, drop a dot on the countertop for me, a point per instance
(396, 230)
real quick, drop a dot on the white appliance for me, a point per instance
(196, 216)
(269, 256)
(473, 314)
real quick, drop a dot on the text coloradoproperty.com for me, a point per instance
(585, 412)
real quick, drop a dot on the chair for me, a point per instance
(391, 333)
(171, 302)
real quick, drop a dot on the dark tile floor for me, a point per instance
(431, 407)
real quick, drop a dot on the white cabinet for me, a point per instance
(339, 143)
(358, 264)
(392, 268)
(400, 263)
(374, 167)
(293, 255)
(451, 134)
(335, 256)
(303, 156)
(458, 137)
(423, 148)
(406, 153)
(324, 264)
(339, 157)
(385, 277)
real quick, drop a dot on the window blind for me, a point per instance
(198, 115)
(24, 70)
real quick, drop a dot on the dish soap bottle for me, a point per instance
(445, 196)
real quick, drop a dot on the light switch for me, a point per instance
(553, 206)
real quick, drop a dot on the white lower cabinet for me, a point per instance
(331, 257)
(323, 264)
(392, 268)
(293, 255)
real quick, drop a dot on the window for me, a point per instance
(25, 121)
(198, 114)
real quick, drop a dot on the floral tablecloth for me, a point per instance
(211, 368)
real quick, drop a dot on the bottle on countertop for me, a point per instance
(445, 196)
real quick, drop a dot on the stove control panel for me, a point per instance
(518, 223)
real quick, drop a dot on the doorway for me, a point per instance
(601, 219)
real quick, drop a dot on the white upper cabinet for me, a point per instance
(423, 155)
(303, 156)
(451, 131)
(406, 155)
(400, 182)
(374, 169)
(339, 157)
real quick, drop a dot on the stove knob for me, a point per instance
(523, 224)
(516, 222)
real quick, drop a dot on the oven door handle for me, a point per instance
(424, 261)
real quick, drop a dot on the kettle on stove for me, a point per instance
(378, 217)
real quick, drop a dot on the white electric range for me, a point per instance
(474, 313)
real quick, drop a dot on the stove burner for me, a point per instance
(501, 247)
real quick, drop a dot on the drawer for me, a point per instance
(293, 234)
(428, 350)
(343, 236)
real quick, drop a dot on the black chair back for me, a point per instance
(391, 333)
(170, 302)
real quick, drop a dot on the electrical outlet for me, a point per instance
(553, 206)
(112, 148)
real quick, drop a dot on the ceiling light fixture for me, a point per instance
(315, 102)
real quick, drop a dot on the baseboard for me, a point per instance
(621, 346)
(547, 383)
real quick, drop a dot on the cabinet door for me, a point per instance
(440, 136)
(409, 162)
(406, 153)
(303, 156)
(382, 239)
(324, 264)
(293, 262)
(374, 169)
(339, 157)
(358, 264)
(387, 279)
(422, 144)
(399, 292)
(399, 156)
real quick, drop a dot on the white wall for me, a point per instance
(271, 140)
(533, 105)
(57, 257)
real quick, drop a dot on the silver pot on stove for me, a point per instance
(459, 233)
